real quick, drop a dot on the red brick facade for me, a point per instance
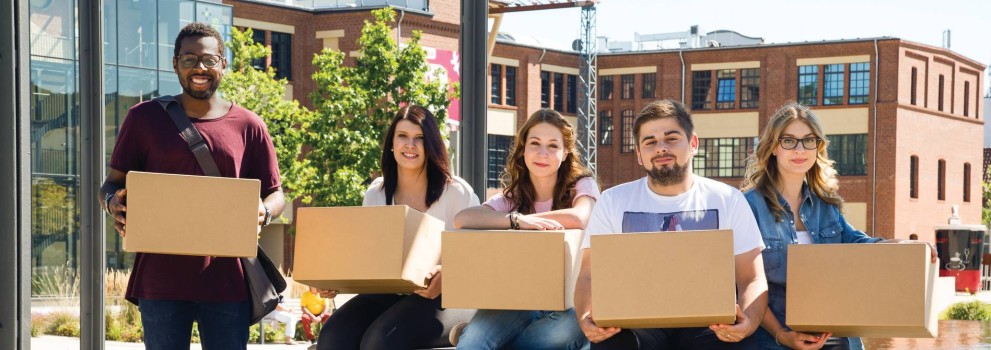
(895, 128)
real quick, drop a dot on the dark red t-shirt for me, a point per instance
(240, 144)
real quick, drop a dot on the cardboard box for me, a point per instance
(663, 279)
(382, 249)
(511, 269)
(191, 215)
(862, 290)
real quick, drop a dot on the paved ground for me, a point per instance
(47, 342)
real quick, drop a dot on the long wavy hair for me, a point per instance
(762, 167)
(518, 188)
(435, 154)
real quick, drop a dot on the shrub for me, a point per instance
(969, 311)
(63, 324)
(38, 324)
(272, 334)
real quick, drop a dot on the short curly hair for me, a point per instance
(198, 30)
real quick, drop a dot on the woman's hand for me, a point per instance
(328, 294)
(528, 222)
(433, 287)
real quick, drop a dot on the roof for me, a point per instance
(504, 6)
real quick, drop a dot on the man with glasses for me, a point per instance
(172, 291)
(672, 198)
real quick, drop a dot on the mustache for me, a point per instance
(662, 157)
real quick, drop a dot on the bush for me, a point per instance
(63, 324)
(969, 311)
(272, 334)
(38, 324)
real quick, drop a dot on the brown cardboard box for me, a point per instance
(511, 269)
(382, 249)
(191, 215)
(663, 279)
(865, 290)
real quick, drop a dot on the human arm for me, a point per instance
(790, 338)
(114, 186)
(583, 303)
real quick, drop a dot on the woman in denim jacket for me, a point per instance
(791, 187)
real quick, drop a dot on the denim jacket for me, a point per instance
(822, 220)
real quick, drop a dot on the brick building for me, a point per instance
(903, 119)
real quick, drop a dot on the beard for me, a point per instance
(200, 95)
(668, 175)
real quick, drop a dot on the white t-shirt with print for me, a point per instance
(707, 205)
(457, 196)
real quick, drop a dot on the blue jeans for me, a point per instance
(168, 324)
(497, 329)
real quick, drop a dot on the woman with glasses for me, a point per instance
(791, 187)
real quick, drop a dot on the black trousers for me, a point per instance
(390, 321)
(669, 338)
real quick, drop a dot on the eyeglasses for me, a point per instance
(191, 60)
(789, 143)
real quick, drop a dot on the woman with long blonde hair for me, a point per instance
(792, 188)
(546, 188)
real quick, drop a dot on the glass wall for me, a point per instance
(138, 47)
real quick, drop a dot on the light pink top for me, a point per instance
(584, 187)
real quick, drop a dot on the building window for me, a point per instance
(860, 83)
(649, 85)
(808, 85)
(258, 36)
(510, 86)
(572, 93)
(545, 89)
(627, 121)
(940, 103)
(558, 92)
(282, 55)
(626, 86)
(726, 91)
(499, 146)
(941, 180)
(832, 91)
(723, 157)
(605, 127)
(701, 83)
(849, 152)
(496, 78)
(966, 99)
(914, 177)
(749, 88)
(915, 83)
(605, 87)
(966, 182)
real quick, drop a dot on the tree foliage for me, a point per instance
(259, 91)
(355, 104)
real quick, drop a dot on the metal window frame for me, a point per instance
(624, 83)
(747, 81)
(495, 84)
(606, 92)
(510, 86)
(606, 128)
(628, 144)
(15, 206)
(701, 90)
(652, 85)
(812, 77)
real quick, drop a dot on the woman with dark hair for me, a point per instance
(546, 188)
(792, 189)
(415, 173)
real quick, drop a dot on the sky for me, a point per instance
(777, 21)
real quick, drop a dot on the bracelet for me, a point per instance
(514, 220)
(106, 202)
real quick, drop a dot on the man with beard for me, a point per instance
(172, 291)
(671, 197)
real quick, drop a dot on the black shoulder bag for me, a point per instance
(265, 283)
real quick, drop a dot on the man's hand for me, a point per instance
(735, 332)
(802, 341)
(118, 209)
(433, 288)
(328, 294)
(595, 333)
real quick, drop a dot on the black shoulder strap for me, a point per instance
(190, 134)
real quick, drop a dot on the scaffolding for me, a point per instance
(588, 78)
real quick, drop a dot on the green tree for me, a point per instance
(986, 197)
(354, 105)
(260, 92)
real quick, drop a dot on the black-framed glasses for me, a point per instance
(191, 60)
(789, 143)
